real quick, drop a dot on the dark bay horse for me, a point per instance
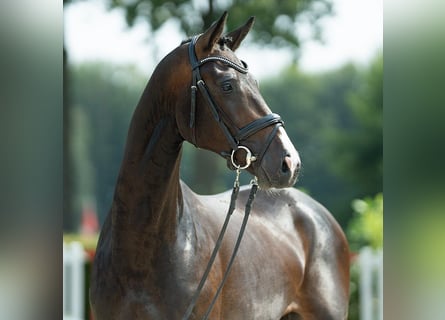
(293, 262)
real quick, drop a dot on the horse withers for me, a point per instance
(293, 262)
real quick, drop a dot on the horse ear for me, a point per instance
(213, 34)
(238, 35)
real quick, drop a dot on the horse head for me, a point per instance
(225, 112)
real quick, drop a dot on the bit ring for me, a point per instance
(249, 157)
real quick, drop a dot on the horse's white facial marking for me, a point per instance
(290, 148)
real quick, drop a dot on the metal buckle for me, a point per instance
(249, 158)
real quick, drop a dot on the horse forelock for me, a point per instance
(224, 40)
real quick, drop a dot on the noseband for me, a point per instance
(240, 134)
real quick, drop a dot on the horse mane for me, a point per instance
(225, 41)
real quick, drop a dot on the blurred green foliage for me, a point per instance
(364, 229)
(335, 121)
(103, 99)
(414, 161)
(366, 226)
(357, 146)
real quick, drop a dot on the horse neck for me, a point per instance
(148, 201)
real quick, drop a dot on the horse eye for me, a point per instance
(227, 86)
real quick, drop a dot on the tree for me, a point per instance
(312, 106)
(366, 226)
(103, 99)
(334, 120)
(275, 24)
(358, 147)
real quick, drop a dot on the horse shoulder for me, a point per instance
(326, 280)
(316, 221)
(300, 227)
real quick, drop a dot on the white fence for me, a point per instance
(73, 281)
(371, 284)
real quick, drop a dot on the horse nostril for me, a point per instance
(287, 165)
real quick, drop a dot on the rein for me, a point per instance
(218, 243)
(235, 143)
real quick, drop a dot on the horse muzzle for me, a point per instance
(280, 165)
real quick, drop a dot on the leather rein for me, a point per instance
(235, 143)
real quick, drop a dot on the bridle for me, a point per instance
(235, 143)
(240, 135)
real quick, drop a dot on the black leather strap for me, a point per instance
(218, 243)
(205, 92)
(235, 249)
(258, 125)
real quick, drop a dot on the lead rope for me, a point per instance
(218, 243)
